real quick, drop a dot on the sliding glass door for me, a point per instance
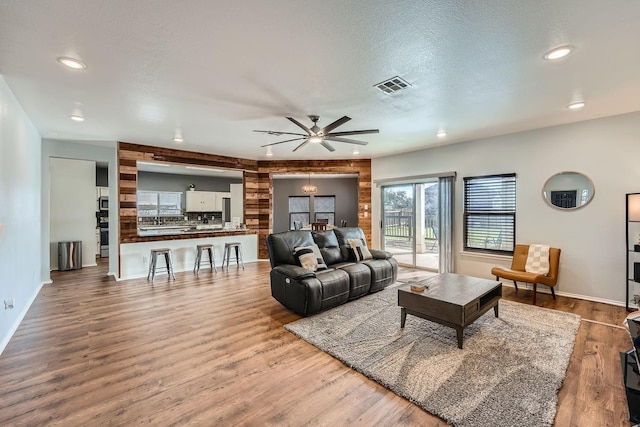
(416, 223)
(398, 222)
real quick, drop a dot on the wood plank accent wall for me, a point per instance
(361, 167)
(258, 184)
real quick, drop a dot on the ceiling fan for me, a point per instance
(316, 135)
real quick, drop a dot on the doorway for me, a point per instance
(412, 215)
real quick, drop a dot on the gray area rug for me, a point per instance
(508, 373)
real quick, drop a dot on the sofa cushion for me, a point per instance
(359, 249)
(344, 233)
(359, 278)
(309, 257)
(281, 246)
(334, 287)
(382, 273)
(328, 244)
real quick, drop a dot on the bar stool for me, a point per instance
(153, 261)
(227, 253)
(204, 247)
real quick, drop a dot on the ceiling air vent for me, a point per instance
(392, 85)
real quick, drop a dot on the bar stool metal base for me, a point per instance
(227, 253)
(209, 249)
(153, 261)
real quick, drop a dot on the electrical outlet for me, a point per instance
(9, 303)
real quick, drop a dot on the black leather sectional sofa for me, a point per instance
(307, 292)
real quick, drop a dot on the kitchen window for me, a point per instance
(159, 203)
(490, 213)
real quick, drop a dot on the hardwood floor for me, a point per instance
(211, 350)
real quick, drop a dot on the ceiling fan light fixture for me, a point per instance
(315, 139)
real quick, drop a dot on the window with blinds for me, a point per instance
(159, 203)
(324, 208)
(490, 213)
(298, 211)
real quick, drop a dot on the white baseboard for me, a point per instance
(545, 290)
(14, 327)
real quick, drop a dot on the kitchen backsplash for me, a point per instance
(190, 218)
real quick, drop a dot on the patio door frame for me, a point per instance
(412, 241)
(414, 181)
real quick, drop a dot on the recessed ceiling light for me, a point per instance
(355, 152)
(576, 105)
(75, 64)
(76, 118)
(441, 134)
(558, 52)
(269, 153)
(178, 139)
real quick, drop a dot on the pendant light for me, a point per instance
(309, 189)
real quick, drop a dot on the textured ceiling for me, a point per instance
(216, 70)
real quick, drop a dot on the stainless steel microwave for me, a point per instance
(103, 202)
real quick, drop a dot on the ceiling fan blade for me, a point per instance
(278, 133)
(334, 125)
(281, 142)
(300, 125)
(353, 132)
(328, 146)
(301, 145)
(350, 141)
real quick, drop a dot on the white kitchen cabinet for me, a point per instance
(201, 201)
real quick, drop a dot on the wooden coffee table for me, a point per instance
(450, 300)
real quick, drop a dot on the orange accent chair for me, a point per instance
(517, 272)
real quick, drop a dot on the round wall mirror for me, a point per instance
(568, 190)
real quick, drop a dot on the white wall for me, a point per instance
(592, 239)
(20, 146)
(73, 207)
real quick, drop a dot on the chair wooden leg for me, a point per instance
(535, 289)
(553, 293)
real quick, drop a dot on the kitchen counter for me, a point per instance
(164, 232)
(134, 257)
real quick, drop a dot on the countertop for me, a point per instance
(151, 231)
